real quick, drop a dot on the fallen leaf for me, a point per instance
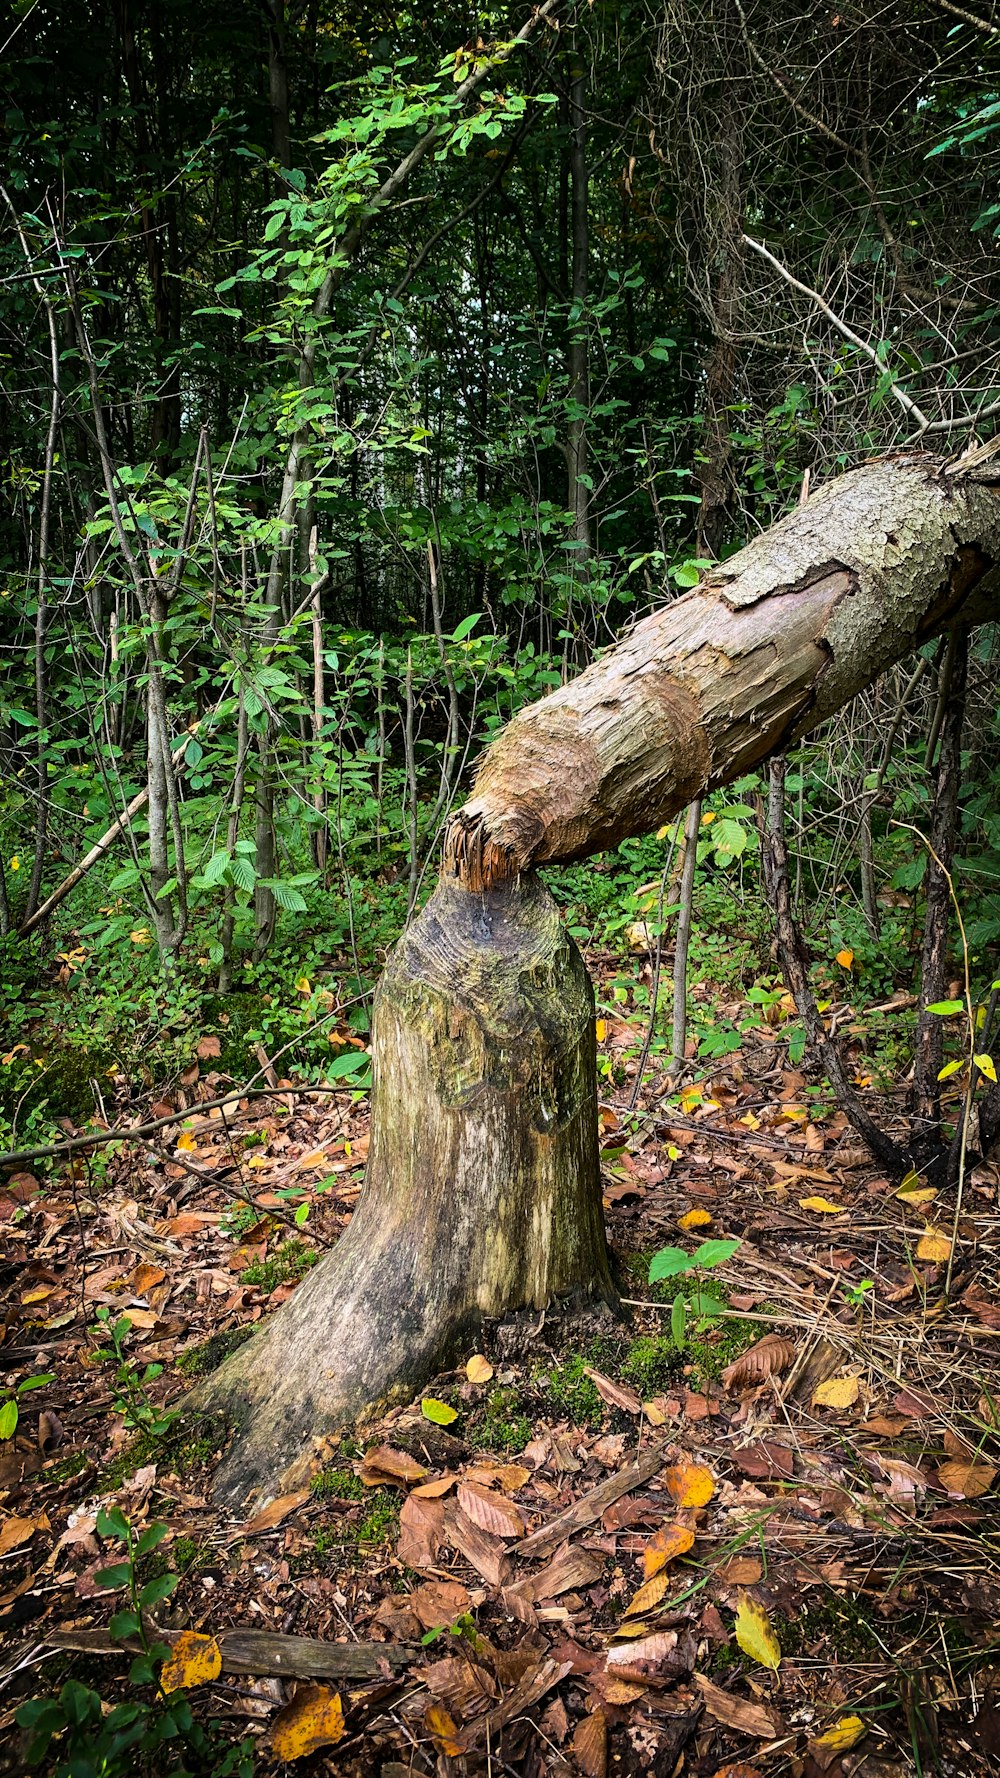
(279, 1509)
(694, 1219)
(736, 1713)
(934, 1246)
(968, 1480)
(313, 1719)
(193, 1660)
(433, 1490)
(667, 1543)
(742, 1571)
(766, 1460)
(14, 1532)
(845, 958)
(617, 1395)
(836, 1392)
(738, 1769)
(690, 1484)
(508, 1476)
(421, 1532)
(145, 1277)
(441, 1725)
(840, 1737)
(589, 1745)
(208, 1047)
(649, 1594)
(439, 1603)
(822, 1206)
(479, 1369)
(770, 1355)
(438, 1412)
(385, 1464)
(755, 1634)
(491, 1512)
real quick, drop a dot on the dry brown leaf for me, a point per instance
(193, 1660)
(313, 1719)
(666, 1544)
(617, 1395)
(623, 1691)
(145, 1277)
(14, 1532)
(738, 1769)
(664, 1653)
(968, 1480)
(208, 1048)
(433, 1490)
(421, 1532)
(648, 1595)
(439, 1603)
(589, 1745)
(508, 1476)
(279, 1509)
(766, 1359)
(384, 1464)
(490, 1511)
(836, 1392)
(479, 1369)
(742, 1571)
(690, 1484)
(736, 1713)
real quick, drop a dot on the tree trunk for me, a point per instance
(482, 1193)
(777, 638)
(482, 1190)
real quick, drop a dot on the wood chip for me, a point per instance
(588, 1509)
(738, 1713)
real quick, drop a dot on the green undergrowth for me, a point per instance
(286, 1265)
(201, 1360)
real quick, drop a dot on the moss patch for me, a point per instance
(201, 1360)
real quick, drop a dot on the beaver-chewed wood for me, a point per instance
(482, 1192)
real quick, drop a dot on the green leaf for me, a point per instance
(713, 1253)
(668, 1263)
(438, 1412)
(111, 1522)
(40, 1382)
(347, 1064)
(947, 1007)
(160, 1588)
(153, 1535)
(124, 1624)
(678, 1320)
(466, 627)
(8, 1418)
(118, 1575)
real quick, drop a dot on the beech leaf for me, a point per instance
(837, 1392)
(649, 1594)
(479, 1369)
(690, 1484)
(934, 1246)
(438, 1412)
(313, 1719)
(755, 1634)
(193, 1660)
(667, 1543)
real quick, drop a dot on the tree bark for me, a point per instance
(482, 1193)
(482, 1190)
(773, 641)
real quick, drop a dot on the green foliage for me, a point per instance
(287, 1265)
(77, 1735)
(129, 1385)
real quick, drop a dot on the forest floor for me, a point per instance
(766, 1545)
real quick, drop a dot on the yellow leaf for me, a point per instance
(985, 1065)
(442, 1726)
(794, 1114)
(933, 1245)
(822, 1206)
(690, 1097)
(663, 1546)
(694, 1219)
(843, 1735)
(752, 1122)
(313, 1719)
(845, 958)
(691, 1484)
(602, 1030)
(303, 985)
(438, 1412)
(193, 1660)
(837, 1392)
(754, 1633)
(479, 1369)
(916, 1194)
(649, 1594)
(186, 1142)
(708, 818)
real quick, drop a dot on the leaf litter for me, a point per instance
(768, 1549)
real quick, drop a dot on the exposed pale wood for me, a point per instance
(262, 1654)
(773, 641)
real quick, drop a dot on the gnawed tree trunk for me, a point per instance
(482, 1191)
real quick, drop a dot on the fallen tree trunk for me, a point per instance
(482, 1190)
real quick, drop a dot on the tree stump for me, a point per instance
(482, 1191)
